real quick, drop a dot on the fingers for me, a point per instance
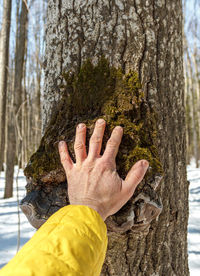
(113, 143)
(96, 139)
(65, 157)
(135, 176)
(79, 145)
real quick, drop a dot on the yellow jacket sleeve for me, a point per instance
(72, 242)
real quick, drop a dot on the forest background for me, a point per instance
(22, 50)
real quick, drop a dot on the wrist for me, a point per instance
(97, 207)
(98, 210)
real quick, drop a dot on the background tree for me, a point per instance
(23, 101)
(4, 69)
(14, 124)
(145, 38)
(191, 64)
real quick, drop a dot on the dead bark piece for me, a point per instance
(144, 208)
(42, 201)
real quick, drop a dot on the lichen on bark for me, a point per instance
(95, 91)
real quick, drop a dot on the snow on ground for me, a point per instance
(194, 220)
(9, 221)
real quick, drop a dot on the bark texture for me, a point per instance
(146, 37)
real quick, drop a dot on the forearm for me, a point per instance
(73, 240)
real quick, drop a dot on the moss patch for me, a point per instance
(100, 91)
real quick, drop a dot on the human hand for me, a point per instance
(93, 180)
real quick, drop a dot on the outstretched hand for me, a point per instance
(93, 180)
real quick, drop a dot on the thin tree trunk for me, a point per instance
(145, 37)
(15, 125)
(188, 116)
(10, 131)
(197, 92)
(4, 68)
(194, 111)
(24, 112)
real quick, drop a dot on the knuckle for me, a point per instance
(137, 177)
(88, 166)
(63, 159)
(61, 152)
(95, 139)
(78, 146)
(102, 166)
(112, 142)
(107, 163)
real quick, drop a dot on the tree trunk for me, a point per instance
(146, 38)
(194, 111)
(14, 125)
(4, 65)
(188, 115)
(197, 93)
(24, 115)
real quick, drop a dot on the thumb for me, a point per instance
(135, 176)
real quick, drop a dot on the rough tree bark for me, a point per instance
(4, 64)
(146, 38)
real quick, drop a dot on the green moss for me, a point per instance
(143, 153)
(100, 91)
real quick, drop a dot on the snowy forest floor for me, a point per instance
(9, 221)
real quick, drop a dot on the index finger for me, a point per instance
(65, 157)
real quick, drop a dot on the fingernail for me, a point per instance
(81, 125)
(119, 128)
(145, 164)
(100, 121)
(61, 143)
